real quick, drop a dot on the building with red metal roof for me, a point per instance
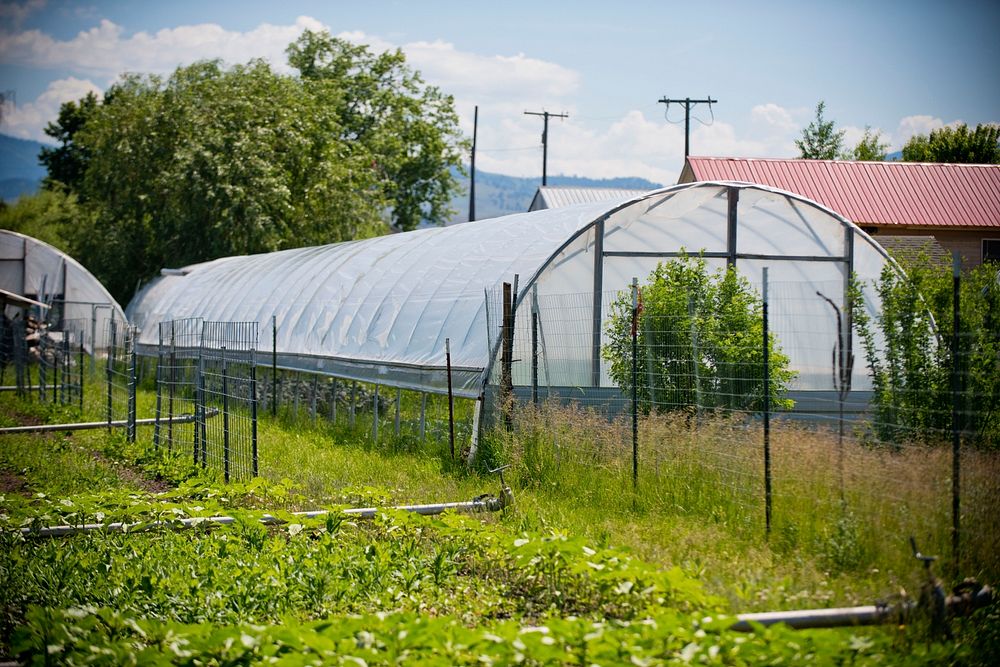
(957, 204)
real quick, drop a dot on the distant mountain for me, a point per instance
(498, 195)
(20, 172)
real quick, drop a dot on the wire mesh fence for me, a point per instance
(121, 376)
(177, 386)
(43, 360)
(799, 437)
(227, 385)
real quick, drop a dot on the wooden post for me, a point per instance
(506, 360)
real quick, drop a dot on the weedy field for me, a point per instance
(581, 570)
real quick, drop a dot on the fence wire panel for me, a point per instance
(228, 385)
(177, 386)
(14, 364)
(120, 375)
(855, 457)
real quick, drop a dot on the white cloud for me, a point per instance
(27, 121)
(913, 125)
(105, 51)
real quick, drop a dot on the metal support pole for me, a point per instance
(170, 389)
(534, 357)
(133, 382)
(375, 415)
(423, 414)
(333, 401)
(312, 399)
(395, 424)
(353, 411)
(956, 414)
(80, 369)
(635, 384)
(451, 400)
(225, 416)
(200, 427)
(109, 367)
(274, 365)
(767, 414)
(253, 418)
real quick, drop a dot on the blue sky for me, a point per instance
(900, 67)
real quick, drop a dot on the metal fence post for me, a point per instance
(767, 413)
(201, 427)
(375, 415)
(423, 414)
(956, 407)
(353, 410)
(333, 401)
(253, 417)
(170, 388)
(399, 393)
(133, 381)
(82, 353)
(312, 398)
(274, 365)
(225, 416)
(635, 384)
(159, 392)
(451, 399)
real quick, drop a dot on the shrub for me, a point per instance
(699, 341)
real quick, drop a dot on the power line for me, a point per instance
(687, 103)
(545, 138)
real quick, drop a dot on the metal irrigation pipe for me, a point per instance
(934, 603)
(483, 503)
(83, 426)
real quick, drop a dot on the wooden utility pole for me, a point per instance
(687, 103)
(545, 138)
(472, 170)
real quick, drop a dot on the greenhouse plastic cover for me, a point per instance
(33, 268)
(380, 310)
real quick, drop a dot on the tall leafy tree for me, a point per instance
(214, 162)
(67, 162)
(956, 144)
(409, 127)
(870, 148)
(820, 139)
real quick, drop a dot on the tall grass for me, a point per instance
(711, 470)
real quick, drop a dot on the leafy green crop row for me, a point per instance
(90, 636)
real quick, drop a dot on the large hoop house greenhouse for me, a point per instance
(380, 310)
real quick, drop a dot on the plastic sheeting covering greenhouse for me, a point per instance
(379, 310)
(34, 269)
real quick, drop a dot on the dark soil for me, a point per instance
(11, 483)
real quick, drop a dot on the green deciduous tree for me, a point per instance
(956, 144)
(820, 140)
(410, 127)
(870, 148)
(67, 162)
(215, 162)
(910, 360)
(700, 341)
(49, 216)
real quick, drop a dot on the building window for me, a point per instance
(991, 250)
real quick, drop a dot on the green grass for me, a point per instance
(609, 572)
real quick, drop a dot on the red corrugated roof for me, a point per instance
(879, 193)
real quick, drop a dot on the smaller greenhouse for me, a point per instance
(380, 310)
(76, 299)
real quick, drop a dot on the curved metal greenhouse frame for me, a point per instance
(34, 269)
(379, 310)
